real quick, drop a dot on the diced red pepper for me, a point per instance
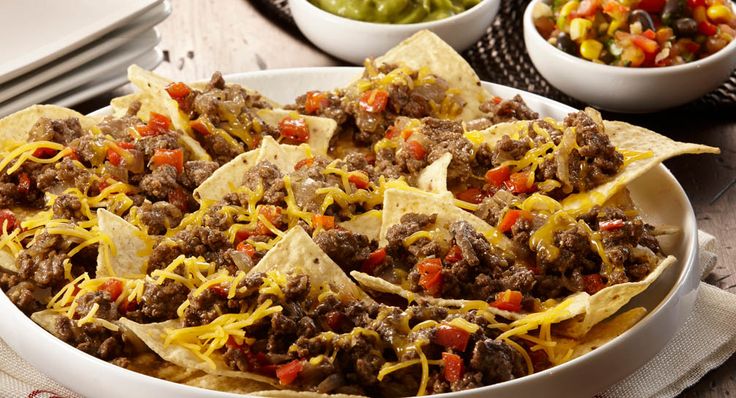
(179, 91)
(113, 287)
(452, 337)
(303, 163)
(498, 175)
(430, 275)
(510, 218)
(374, 260)
(610, 225)
(172, 157)
(179, 198)
(272, 214)
(325, 222)
(417, 149)
(7, 216)
(114, 158)
(518, 183)
(454, 255)
(220, 290)
(246, 248)
(374, 101)
(232, 344)
(126, 145)
(695, 3)
(650, 34)
(406, 134)
(497, 100)
(44, 153)
(315, 101)
(652, 6)
(242, 234)
(294, 129)
(360, 180)
(454, 367)
(510, 300)
(392, 132)
(24, 183)
(471, 195)
(127, 306)
(289, 372)
(157, 124)
(648, 45)
(200, 127)
(593, 283)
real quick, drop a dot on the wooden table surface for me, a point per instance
(232, 36)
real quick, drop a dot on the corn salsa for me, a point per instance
(395, 11)
(637, 33)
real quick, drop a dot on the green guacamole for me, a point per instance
(395, 11)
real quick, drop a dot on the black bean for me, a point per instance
(686, 27)
(672, 9)
(565, 43)
(643, 18)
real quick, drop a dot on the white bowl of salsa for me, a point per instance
(354, 41)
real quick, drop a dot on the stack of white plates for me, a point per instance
(61, 52)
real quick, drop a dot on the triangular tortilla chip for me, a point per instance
(130, 250)
(368, 224)
(425, 49)
(321, 129)
(434, 177)
(15, 128)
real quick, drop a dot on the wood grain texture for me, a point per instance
(202, 36)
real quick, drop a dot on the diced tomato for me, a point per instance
(179, 91)
(454, 255)
(335, 320)
(315, 101)
(294, 129)
(510, 218)
(232, 344)
(430, 275)
(360, 180)
(593, 283)
(324, 222)
(220, 290)
(648, 45)
(417, 149)
(652, 6)
(242, 234)
(289, 372)
(44, 153)
(24, 183)
(497, 100)
(172, 157)
(586, 8)
(510, 300)
(157, 125)
(374, 101)
(272, 214)
(518, 183)
(127, 306)
(200, 127)
(471, 195)
(114, 287)
(614, 8)
(498, 175)
(610, 225)
(406, 134)
(8, 218)
(454, 367)
(392, 132)
(114, 158)
(246, 248)
(303, 163)
(707, 28)
(696, 3)
(649, 34)
(179, 198)
(452, 337)
(374, 260)
(126, 145)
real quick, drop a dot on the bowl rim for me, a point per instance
(395, 27)
(725, 53)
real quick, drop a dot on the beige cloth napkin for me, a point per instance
(693, 351)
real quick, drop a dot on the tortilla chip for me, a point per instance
(15, 128)
(228, 384)
(230, 176)
(368, 224)
(297, 253)
(425, 49)
(46, 319)
(130, 249)
(434, 177)
(321, 129)
(607, 330)
(7, 261)
(152, 335)
(301, 394)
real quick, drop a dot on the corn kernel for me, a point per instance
(591, 49)
(579, 28)
(719, 13)
(565, 12)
